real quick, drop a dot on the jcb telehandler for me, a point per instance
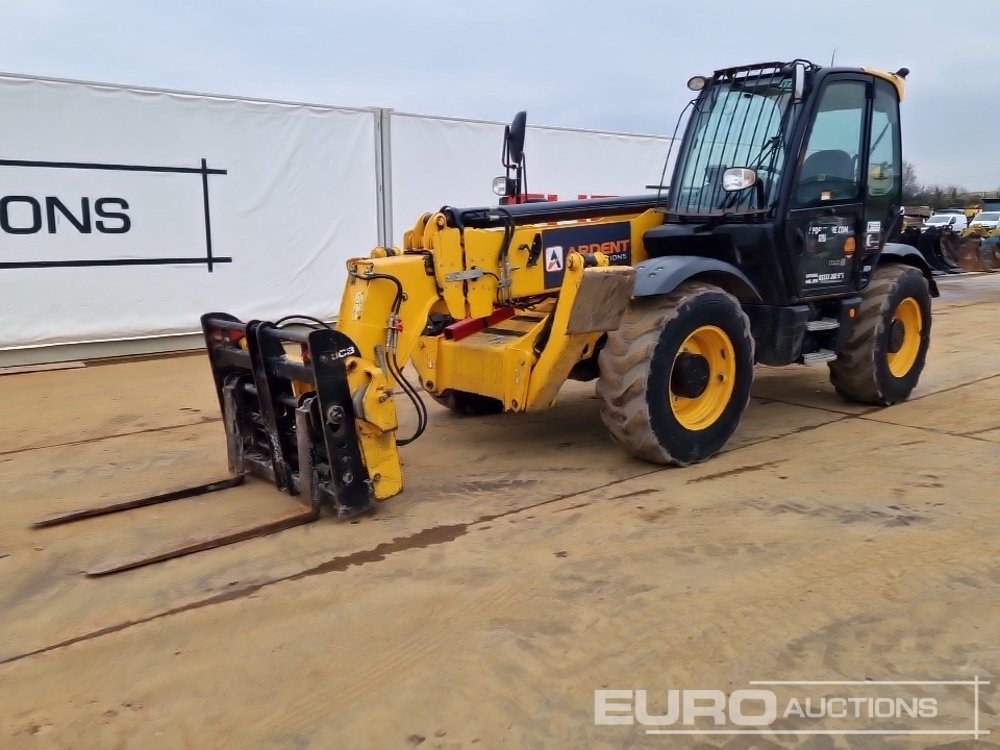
(768, 247)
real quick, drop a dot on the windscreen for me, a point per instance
(742, 122)
(988, 217)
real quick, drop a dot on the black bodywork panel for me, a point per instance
(530, 213)
(900, 253)
(778, 332)
(747, 248)
(658, 276)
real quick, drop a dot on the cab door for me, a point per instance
(884, 178)
(826, 219)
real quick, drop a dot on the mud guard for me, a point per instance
(894, 252)
(658, 276)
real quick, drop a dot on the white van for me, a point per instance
(957, 221)
(987, 219)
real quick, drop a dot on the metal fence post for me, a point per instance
(383, 174)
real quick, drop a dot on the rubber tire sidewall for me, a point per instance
(861, 371)
(893, 389)
(688, 446)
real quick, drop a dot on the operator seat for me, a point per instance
(830, 171)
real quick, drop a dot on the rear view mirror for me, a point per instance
(515, 138)
(738, 178)
(799, 81)
(512, 157)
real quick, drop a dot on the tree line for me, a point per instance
(935, 196)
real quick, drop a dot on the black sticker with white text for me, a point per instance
(613, 240)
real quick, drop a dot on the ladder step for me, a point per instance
(822, 355)
(823, 324)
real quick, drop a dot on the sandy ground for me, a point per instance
(528, 563)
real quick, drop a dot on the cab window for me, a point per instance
(829, 170)
(885, 158)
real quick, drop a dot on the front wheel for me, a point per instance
(885, 354)
(675, 377)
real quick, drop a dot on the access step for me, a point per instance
(823, 324)
(816, 357)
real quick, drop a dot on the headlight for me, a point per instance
(503, 186)
(697, 83)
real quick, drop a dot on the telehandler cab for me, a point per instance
(768, 247)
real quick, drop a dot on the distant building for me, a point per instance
(990, 199)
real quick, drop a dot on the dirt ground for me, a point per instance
(528, 563)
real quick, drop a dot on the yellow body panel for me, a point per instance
(521, 361)
(368, 298)
(482, 249)
(497, 363)
(567, 346)
(377, 427)
(892, 78)
(366, 316)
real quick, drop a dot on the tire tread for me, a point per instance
(625, 364)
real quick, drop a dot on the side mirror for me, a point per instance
(515, 138)
(738, 178)
(799, 82)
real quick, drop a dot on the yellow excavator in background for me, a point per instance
(978, 248)
(769, 247)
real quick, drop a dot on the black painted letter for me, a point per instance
(101, 210)
(36, 214)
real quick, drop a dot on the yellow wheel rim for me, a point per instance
(909, 317)
(698, 412)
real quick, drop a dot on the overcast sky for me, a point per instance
(618, 65)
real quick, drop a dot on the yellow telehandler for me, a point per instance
(768, 246)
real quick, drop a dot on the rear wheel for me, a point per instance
(675, 377)
(885, 354)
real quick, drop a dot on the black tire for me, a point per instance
(639, 365)
(863, 370)
(469, 404)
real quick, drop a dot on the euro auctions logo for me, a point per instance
(805, 707)
(741, 708)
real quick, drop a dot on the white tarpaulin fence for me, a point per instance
(440, 161)
(127, 213)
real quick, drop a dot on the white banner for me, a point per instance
(439, 161)
(127, 213)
